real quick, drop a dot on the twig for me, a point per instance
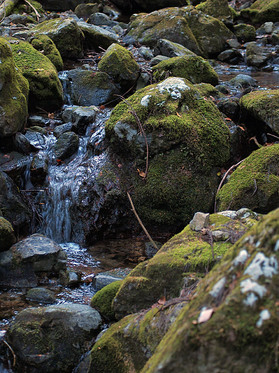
(12, 351)
(140, 222)
(256, 187)
(223, 179)
(270, 134)
(141, 130)
(35, 10)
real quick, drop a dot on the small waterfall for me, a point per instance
(66, 182)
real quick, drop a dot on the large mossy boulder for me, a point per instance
(120, 64)
(45, 87)
(187, 140)
(45, 45)
(13, 207)
(193, 29)
(231, 323)
(66, 35)
(217, 8)
(53, 338)
(13, 93)
(194, 68)
(262, 11)
(7, 235)
(184, 258)
(102, 300)
(255, 183)
(262, 106)
(128, 344)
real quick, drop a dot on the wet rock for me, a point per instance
(265, 28)
(157, 59)
(12, 205)
(66, 145)
(230, 107)
(53, 338)
(84, 10)
(100, 19)
(45, 87)
(13, 94)
(146, 53)
(194, 68)
(243, 81)
(70, 278)
(275, 37)
(102, 279)
(262, 106)
(242, 291)
(257, 55)
(22, 144)
(14, 164)
(96, 36)
(171, 149)
(120, 64)
(91, 88)
(7, 235)
(39, 169)
(187, 252)
(232, 56)
(41, 295)
(170, 49)
(66, 35)
(59, 130)
(187, 26)
(45, 45)
(245, 33)
(35, 139)
(80, 116)
(254, 183)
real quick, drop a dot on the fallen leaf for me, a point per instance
(205, 315)
(102, 107)
(141, 173)
(50, 115)
(178, 115)
(162, 300)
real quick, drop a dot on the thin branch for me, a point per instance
(35, 10)
(270, 134)
(133, 112)
(223, 179)
(12, 351)
(140, 222)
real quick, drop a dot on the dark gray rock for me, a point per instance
(39, 168)
(243, 81)
(170, 49)
(7, 235)
(66, 145)
(80, 116)
(257, 55)
(96, 36)
(41, 295)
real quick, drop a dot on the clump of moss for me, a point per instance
(13, 93)
(245, 33)
(7, 236)
(254, 184)
(217, 8)
(262, 11)
(45, 45)
(194, 68)
(45, 87)
(102, 300)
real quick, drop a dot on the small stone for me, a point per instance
(199, 221)
(41, 295)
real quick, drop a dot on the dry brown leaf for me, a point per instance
(205, 315)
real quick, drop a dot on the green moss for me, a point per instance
(217, 8)
(263, 11)
(194, 68)
(208, 91)
(102, 300)
(254, 184)
(7, 236)
(45, 87)
(245, 33)
(14, 93)
(26, 8)
(46, 46)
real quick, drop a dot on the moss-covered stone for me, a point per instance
(14, 90)
(262, 11)
(240, 294)
(45, 87)
(217, 8)
(66, 35)
(187, 253)
(255, 183)
(127, 345)
(244, 32)
(194, 68)
(102, 300)
(187, 26)
(25, 8)
(262, 106)
(186, 139)
(45, 45)
(120, 64)
(7, 236)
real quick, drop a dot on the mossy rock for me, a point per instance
(207, 90)
(120, 64)
(14, 91)
(45, 45)
(217, 8)
(96, 37)
(24, 8)
(244, 32)
(7, 236)
(239, 333)
(127, 345)
(45, 87)
(262, 11)
(186, 254)
(262, 106)
(66, 35)
(102, 300)
(202, 34)
(255, 183)
(187, 140)
(194, 68)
